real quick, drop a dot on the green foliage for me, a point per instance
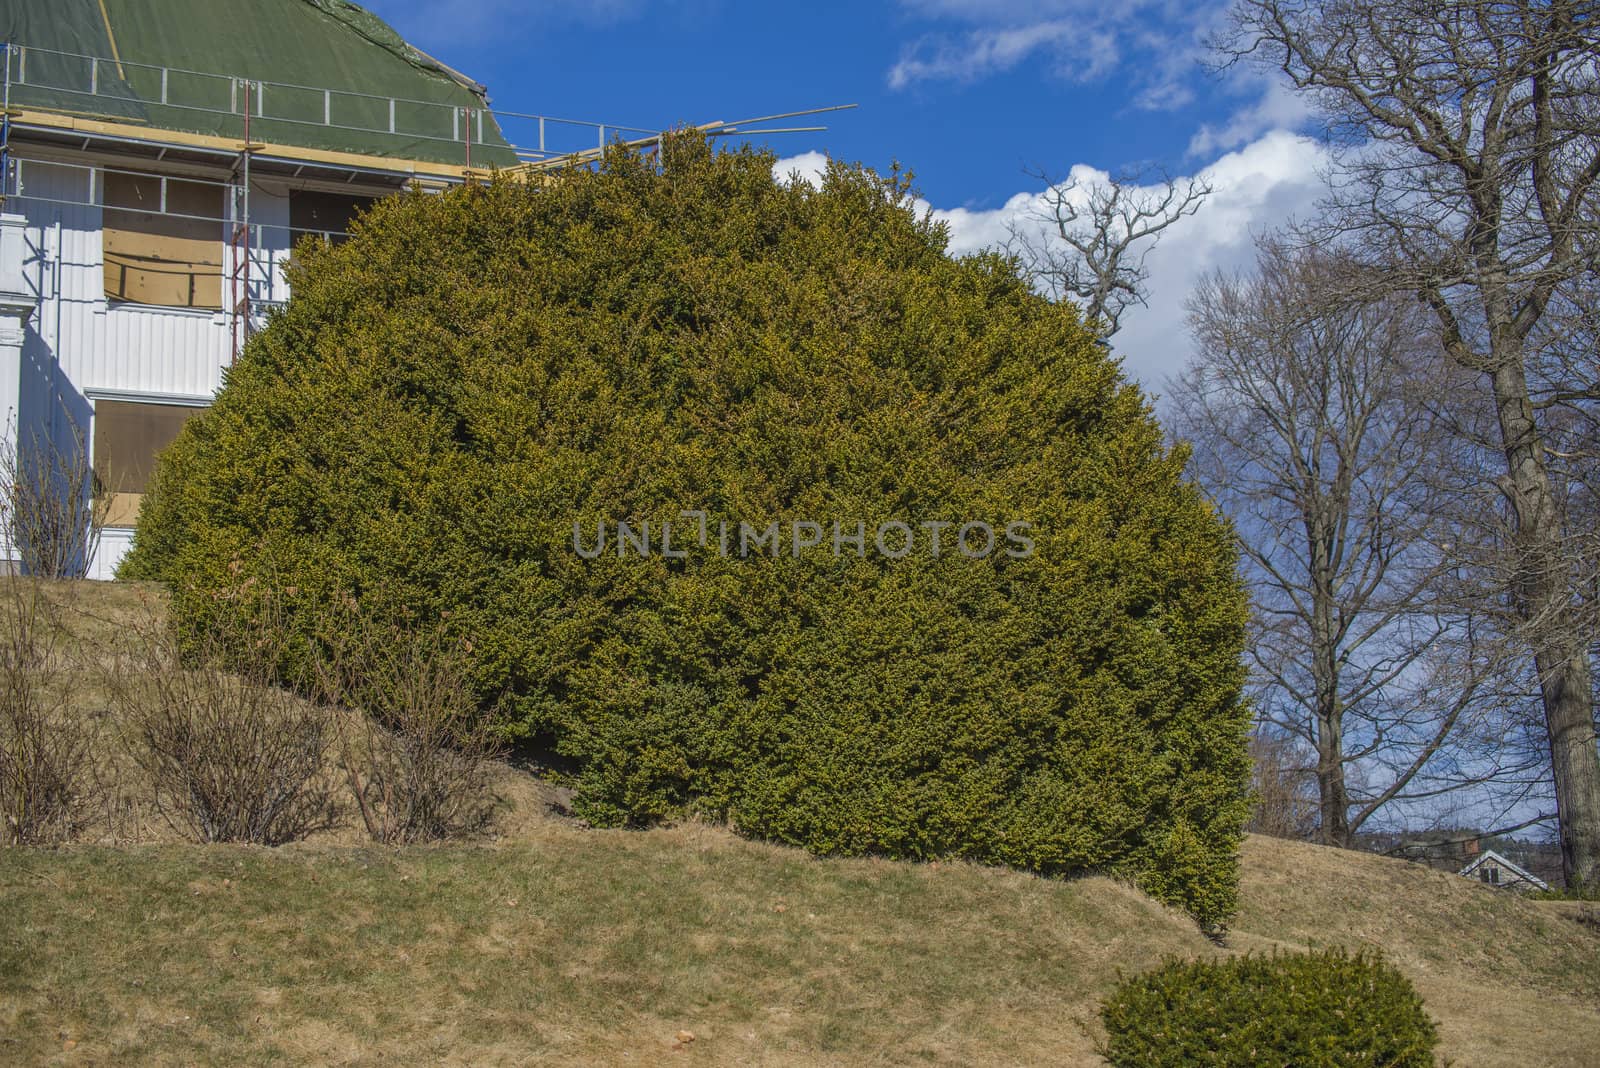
(1310, 1010)
(1579, 892)
(472, 373)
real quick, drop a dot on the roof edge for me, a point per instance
(1516, 869)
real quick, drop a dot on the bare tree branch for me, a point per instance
(1468, 173)
(1089, 240)
(1305, 411)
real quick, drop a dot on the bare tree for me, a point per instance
(1565, 373)
(1090, 240)
(1469, 177)
(1311, 426)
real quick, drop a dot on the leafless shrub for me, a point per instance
(55, 507)
(47, 779)
(418, 762)
(50, 526)
(122, 810)
(232, 757)
(1285, 781)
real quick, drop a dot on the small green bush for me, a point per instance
(1567, 893)
(1307, 1010)
(472, 374)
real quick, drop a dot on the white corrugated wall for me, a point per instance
(79, 345)
(100, 346)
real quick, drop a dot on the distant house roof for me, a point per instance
(1494, 860)
(335, 77)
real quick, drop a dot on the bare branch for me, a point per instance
(1089, 240)
(1467, 137)
(1304, 406)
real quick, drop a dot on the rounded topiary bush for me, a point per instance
(475, 375)
(1321, 1009)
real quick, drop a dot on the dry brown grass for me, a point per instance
(112, 627)
(1503, 975)
(598, 947)
(47, 781)
(579, 947)
(576, 947)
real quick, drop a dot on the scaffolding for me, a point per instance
(98, 86)
(5, 128)
(532, 138)
(239, 240)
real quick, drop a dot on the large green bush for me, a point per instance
(472, 373)
(1322, 1009)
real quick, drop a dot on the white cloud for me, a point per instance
(1164, 95)
(1157, 44)
(1260, 186)
(1278, 108)
(972, 231)
(810, 166)
(979, 53)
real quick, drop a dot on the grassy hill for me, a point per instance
(570, 946)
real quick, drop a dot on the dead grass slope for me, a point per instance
(1505, 977)
(569, 946)
(576, 948)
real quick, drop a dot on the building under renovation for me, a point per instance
(161, 159)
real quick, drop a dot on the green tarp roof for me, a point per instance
(331, 69)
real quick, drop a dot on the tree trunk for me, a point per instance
(1545, 605)
(1564, 686)
(1334, 802)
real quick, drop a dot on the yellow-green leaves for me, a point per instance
(453, 389)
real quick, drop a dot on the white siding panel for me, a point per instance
(114, 545)
(155, 350)
(269, 217)
(10, 398)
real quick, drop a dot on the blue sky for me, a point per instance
(971, 95)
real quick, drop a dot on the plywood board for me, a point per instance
(156, 257)
(127, 437)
